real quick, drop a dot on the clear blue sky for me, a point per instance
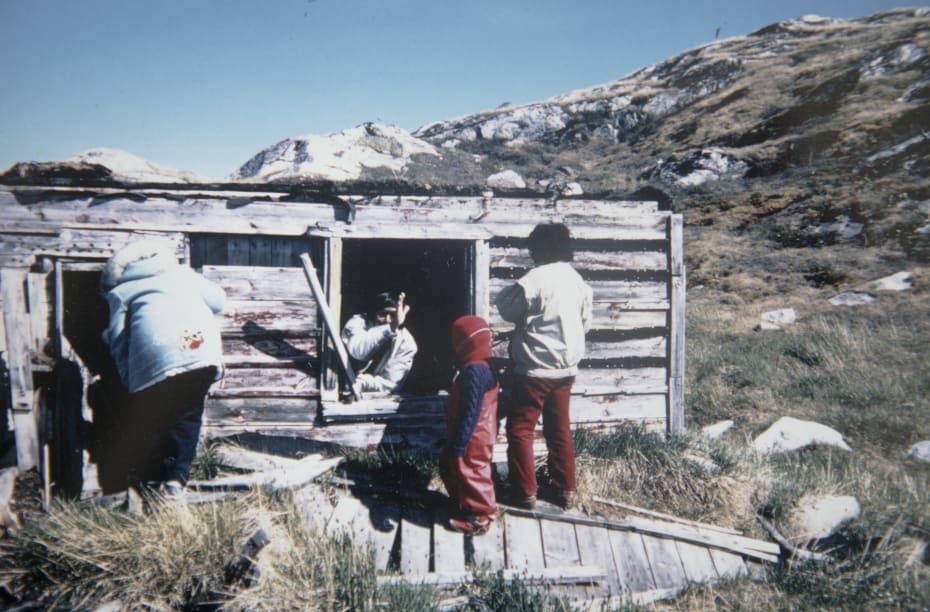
(202, 85)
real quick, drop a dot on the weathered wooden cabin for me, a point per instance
(451, 254)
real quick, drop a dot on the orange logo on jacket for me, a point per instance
(191, 340)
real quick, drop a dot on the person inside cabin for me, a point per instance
(166, 345)
(471, 429)
(381, 345)
(550, 307)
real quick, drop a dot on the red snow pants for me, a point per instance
(468, 479)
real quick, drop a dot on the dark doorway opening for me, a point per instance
(84, 318)
(435, 276)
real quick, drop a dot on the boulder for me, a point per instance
(852, 298)
(920, 451)
(573, 188)
(776, 319)
(716, 430)
(819, 517)
(896, 282)
(788, 434)
(507, 179)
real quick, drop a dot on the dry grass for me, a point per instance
(861, 370)
(79, 558)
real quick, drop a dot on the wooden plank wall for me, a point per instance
(628, 252)
(270, 345)
(625, 372)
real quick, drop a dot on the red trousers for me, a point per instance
(468, 479)
(532, 398)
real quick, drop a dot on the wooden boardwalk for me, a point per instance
(590, 559)
(572, 554)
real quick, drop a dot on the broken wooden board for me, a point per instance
(301, 472)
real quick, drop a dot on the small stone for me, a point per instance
(852, 298)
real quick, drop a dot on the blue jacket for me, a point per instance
(162, 321)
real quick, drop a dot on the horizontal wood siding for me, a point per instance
(270, 346)
(246, 241)
(624, 374)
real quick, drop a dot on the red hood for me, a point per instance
(471, 339)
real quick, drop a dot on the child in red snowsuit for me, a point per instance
(471, 429)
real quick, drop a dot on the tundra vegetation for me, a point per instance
(811, 136)
(860, 370)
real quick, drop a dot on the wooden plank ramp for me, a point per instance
(584, 558)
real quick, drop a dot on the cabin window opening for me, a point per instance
(246, 250)
(434, 274)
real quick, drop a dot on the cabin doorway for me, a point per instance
(435, 275)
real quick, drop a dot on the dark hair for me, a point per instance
(380, 302)
(551, 242)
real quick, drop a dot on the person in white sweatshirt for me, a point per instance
(382, 347)
(551, 309)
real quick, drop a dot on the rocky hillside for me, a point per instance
(807, 133)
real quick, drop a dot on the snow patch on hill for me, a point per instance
(128, 167)
(340, 156)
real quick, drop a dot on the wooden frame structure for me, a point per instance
(281, 376)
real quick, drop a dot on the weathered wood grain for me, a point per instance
(638, 295)
(287, 318)
(385, 520)
(244, 459)
(548, 577)
(560, 545)
(603, 381)
(584, 261)
(258, 351)
(295, 410)
(486, 550)
(39, 288)
(727, 564)
(523, 543)
(393, 407)
(266, 382)
(665, 562)
(415, 536)
(313, 506)
(18, 343)
(584, 409)
(633, 570)
(676, 382)
(697, 561)
(297, 474)
(260, 283)
(594, 550)
(340, 521)
(448, 547)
